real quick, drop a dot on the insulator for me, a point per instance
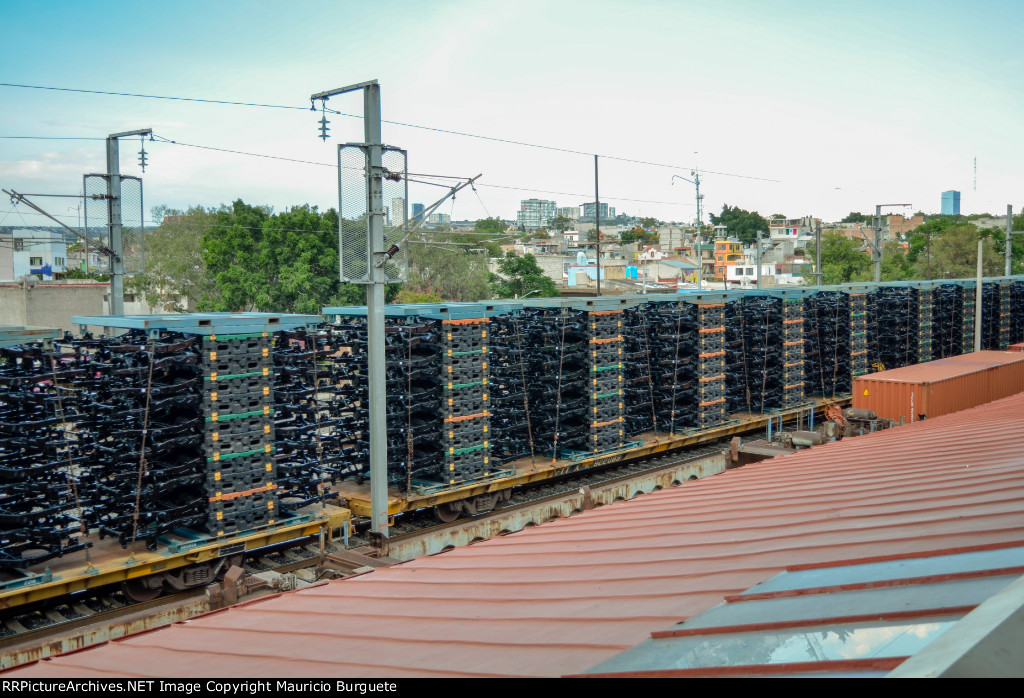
(323, 127)
(142, 159)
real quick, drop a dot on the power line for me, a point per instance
(161, 139)
(145, 96)
(495, 139)
(606, 197)
(53, 138)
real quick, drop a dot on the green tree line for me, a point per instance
(944, 248)
(249, 258)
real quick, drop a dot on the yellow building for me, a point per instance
(727, 253)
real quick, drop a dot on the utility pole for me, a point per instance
(374, 303)
(758, 257)
(597, 227)
(1009, 238)
(817, 255)
(977, 301)
(116, 242)
(696, 182)
(876, 246)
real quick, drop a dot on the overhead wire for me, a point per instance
(434, 129)
(534, 190)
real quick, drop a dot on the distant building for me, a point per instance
(800, 230)
(607, 212)
(728, 253)
(42, 253)
(570, 212)
(417, 212)
(535, 214)
(951, 203)
(397, 212)
(898, 224)
(439, 219)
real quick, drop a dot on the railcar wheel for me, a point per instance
(447, 512)
(142, 588)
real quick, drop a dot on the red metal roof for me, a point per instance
(559, 598)
(944, 369)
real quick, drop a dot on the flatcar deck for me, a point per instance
(109, 563)
(529, 471)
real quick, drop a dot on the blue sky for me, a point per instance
(844, 105)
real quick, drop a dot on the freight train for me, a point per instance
(201, 437)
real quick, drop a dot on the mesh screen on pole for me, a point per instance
(96, 211)
(395, 189)
(353, 223)
(133, 228)
(353, 205)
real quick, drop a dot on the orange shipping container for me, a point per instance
(940, 387)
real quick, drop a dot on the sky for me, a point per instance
(792, 107)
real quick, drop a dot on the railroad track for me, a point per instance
(424, 520)
(570, 495)
(25, 629)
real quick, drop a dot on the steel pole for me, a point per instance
(700, 262)
(758, 257)
(876, 250)
(375, 318)
(817, 254)
(114, 228)
(1009, 239)
(597, 226)
(977, 303)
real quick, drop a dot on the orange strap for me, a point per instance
(485, 413)
(467, 321)
(233, 495)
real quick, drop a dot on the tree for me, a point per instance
(176, 277)
(649, 223)
(896, 265)
(276, 263)
(841, 259)
(743, 225)
(561, 223)
(407, 295)
(639, 235)
(520, 276)
(490, 225)
(450, 274)
(955, 253)
(856, 217)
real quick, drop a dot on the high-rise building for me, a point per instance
(607, 212)
(417, 212)
(398, 211)
(570, 212)
(535, 214)
(951, 203)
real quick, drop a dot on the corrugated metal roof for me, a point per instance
(943, 369)
(560, 598)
